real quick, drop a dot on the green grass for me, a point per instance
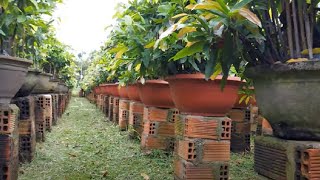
(84, 146)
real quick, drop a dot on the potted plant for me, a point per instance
(134, 56)
(206, 33)
(285, 75)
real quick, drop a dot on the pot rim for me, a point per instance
(200, 76)
(282, 68)
(154, 81)
(18, 59)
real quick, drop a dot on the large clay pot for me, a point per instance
(12, 76)
(62, 88)
(44, 86)
(156, 93)
(31, 81)
(114, 90)
(55, 85)
(123, 92)
(133, 92)
(105, 89)
(288, 96)
(194, 95)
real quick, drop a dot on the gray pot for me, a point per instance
(63, 88)
(288, 96)
(32, 79)
(12, 76)
(44, 86)
(55, 85)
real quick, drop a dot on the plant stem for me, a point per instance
(289, 29)
(296, 32)
(302, 26)
(308, 31)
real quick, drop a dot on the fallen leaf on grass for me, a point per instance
(104, 173)
(72, 155)
(145, 176)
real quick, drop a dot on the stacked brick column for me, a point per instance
(27, 134)
(158, 131)
(203, 147)
(43, 115)
(110, 108)
(55, 108)
(9, 142)
(124, 114)
(115, 110)
(284, 159)
(240, 132)
(136, 119)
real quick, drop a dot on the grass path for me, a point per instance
(84, 146)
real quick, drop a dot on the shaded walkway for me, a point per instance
(84, 146)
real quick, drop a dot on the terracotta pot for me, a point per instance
(31, 81)
(288, 96)
(133, 92)
(105, 89)
(156, 93)
(123, 92)
(12, 76)
(114, 90)
(193, 95)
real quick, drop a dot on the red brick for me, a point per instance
(160, 129)
(215, 128)
(184, 170)
(310, 167)
(204, 150)
(240, 115)
(160, 143)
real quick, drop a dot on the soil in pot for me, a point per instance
(288, 96)
(12, 76)
(193, 95)
(156, 93)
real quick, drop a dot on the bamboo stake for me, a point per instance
(308, 31)
(302, 26)
(289, 29)
(296, 32)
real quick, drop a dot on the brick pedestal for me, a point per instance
(124, 114)
(55, 108)
(110, 108)
(283, 159)
(27, 133)
(9, 142)
(43, 116)
(158, 128)
(203, 147)
(115, 110)
(240, 131)
(136, 119)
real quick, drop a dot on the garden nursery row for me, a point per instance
(203, 78)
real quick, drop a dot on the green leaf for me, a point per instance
(34, 3)
(193, 63)
(21, 18)
(240, 5)
(211, 63)
(223, 6)
(188, 51)
(4, 3)
(2, 33)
